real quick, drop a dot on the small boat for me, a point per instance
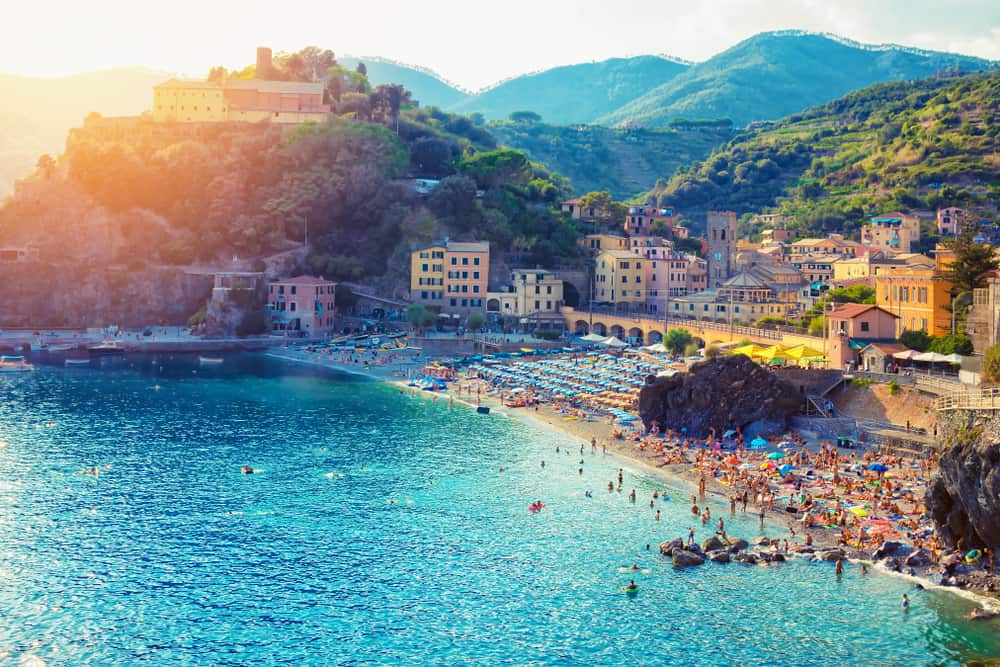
(483, 410)
(210, 360)
(77, 362)
(14, 364)
(108, 348)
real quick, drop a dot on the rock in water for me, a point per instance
(720, 393)
(918, 558)
(964, 499)
(712, 544)
(887, 549)
(830, 555)
(718, 556)
(685, 558)
(737, 544)
(762, 542)
(668, 548)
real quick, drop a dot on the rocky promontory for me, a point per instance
(964, 498)
(719, 394)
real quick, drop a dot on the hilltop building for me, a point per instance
(450, 275)
(640, 219)
(595, 244)
(721, 238)
(304, 306)
(771, 236)
(920, 297)
(834, 244)
(240, 100)
(949, 221)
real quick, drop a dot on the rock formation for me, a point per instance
(964, 499)
(720, 394)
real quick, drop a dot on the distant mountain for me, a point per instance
(772, 75)
(427, 87)
(623, 162)
(574, 93)
(37, 111)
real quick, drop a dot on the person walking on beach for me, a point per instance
(593, 445)
(746, 499)
(732, 505)
(657, 515)
(690, 536)
(761, 515)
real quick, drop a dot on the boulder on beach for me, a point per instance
(919, 558)
(830, 555)
(745, 557)
(762, 542)
(719, 394)
(667, 548)
(770, 556)
(888, 549)
(685, 558)
(718, 556)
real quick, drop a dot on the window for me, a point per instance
(548, 305)
(548, 289)
(423, 267)
(291, 306)
(454, 261)
(475, 275)
(475, 261)
(465, 303)
(475, 289)
(465, 275)
(294, 289)
(454, 302)
(864, 326)
(538, 305)
(465, 261)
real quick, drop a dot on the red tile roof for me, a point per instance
(852, 310)
(303, 280)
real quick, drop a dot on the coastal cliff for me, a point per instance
(964, 498)
(720, 394)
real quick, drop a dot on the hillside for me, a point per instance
(907, 145)
(573, 93)
(426, 86)
(772, 75)
(622, 162)
(58, 104)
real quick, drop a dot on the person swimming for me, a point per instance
(89, 471)
(246, 470)
(632, 587)
(906, 602)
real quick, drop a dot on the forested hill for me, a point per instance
(772, 75)
(624, 162)
(425, 85)
(908, 145)
(574, 93)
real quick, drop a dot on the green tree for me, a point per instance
(416, 315)
(606, 209)
(915, 340)
(951, 344)
(361, 69)
(676, 340)
(475, 321)
(526, 117)
(495, 168)
(816, 326)
(712, 351)
(972, 261)
(991, 365)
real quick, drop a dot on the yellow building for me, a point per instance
(452, 275)
(919, 297)
(834, 244)
(618, 278)
(189, 101)
(427, 274)
(532, 296)
(595, 244)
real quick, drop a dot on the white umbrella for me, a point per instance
(953, 358)
(932, 357)
(612, 341)
(592, 338)
(906, 354)
(658, 348)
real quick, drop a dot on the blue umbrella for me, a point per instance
(758, 443)
(728, 434)
(878, 467)
(785, 469)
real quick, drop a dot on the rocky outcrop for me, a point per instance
(964, 498)
(718, 556)
(667, 548)
(719, 394)
(712, 544)
(738, 544)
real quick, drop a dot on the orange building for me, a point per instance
(303, 305)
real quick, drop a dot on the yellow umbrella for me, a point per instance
(858, 511)
(774, 352)
(751, 350)
(802, 352)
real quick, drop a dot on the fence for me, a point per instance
(970, 399)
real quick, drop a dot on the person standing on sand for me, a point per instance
(690, 536)
(761, 515)
(593, 445)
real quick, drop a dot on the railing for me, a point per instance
(884, 377)
(970, 399)
(936, 383)
(639, 318)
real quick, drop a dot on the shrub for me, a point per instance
(991, 364)
(712, 351)
(893, 387)
(547, 334)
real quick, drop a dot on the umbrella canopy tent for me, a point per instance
(612, 341)
(775, 352)
(932, 357)
(775, 455)
(878, 467)
(758, 443)
(750, 350)
(592, 338)
(954, 359)
(658, 348)
(906, 355)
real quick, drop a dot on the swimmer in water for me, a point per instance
(611, 486)
(89, 471)
(543, 464)
(246, 470)
(906, 602)
(631, 586)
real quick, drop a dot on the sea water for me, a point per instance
(378, 530)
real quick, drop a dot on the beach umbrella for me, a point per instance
(750, 350)
(732, 460)
(612, 341)
(858, 511)
(730, 433)
(878, 467)
(785, 469)
(774, 352)
(776, 455)
(758, 443)
(906, 355)
(592, 338)
(932, 357)
(800, 352)
(954, 358)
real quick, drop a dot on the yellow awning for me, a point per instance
(803, 352)
(751, 350)
(774, 352)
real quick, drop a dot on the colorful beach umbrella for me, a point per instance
(750, 350)
(858, 511)
(878, 467)
(776, 455)
(774, 352)
(758, 443)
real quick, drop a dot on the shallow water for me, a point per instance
(381, 532)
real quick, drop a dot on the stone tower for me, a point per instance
(265, 66)
(721, 234)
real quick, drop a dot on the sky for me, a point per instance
(470, 43)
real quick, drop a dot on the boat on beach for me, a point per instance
(107, 348)
(14, 364)
(76, 361)
(210, 361)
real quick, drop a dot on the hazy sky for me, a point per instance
(468, 42)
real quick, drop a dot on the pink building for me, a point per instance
(949, 220)
(641, 218)
(302, 306)
(852, 327)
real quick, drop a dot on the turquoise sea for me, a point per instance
(380, 532)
